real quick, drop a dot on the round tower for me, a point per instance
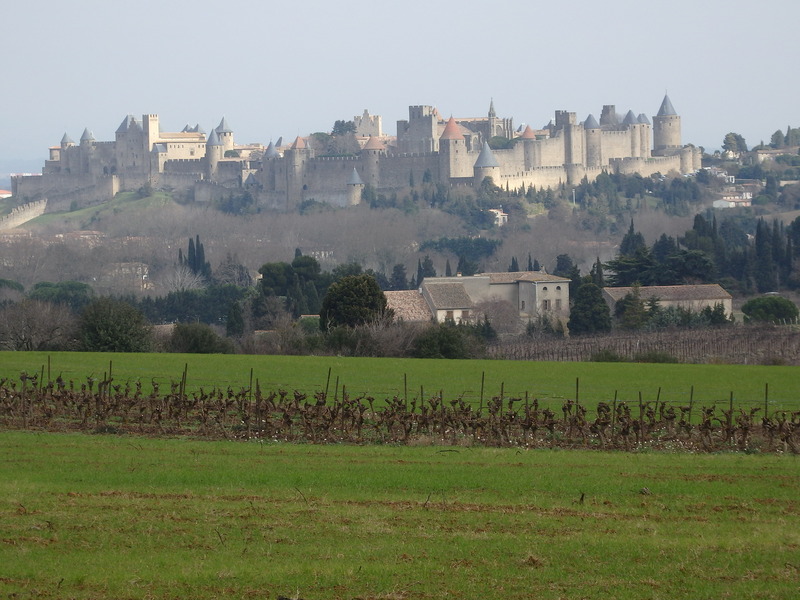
(452, 153)
(645, 134)
(631, 122)
(529, 154)
(355, 186)
(225, 135)
(214, 152)
(66, 142)
(666, 129)
(486, 166)
(687, 159)
(594, 145)
(370, 160)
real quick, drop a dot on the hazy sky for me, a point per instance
(290, 68)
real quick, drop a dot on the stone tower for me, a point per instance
(666, 129)
(296, 157)
(631, 121)
(214, 152)
(370, 160)
(645, 133)
(486, 166)
(225, 135)
(151, 132)
(594, 146)
(66, 142)
(355, 186)
(453, 153)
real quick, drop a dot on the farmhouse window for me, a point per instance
(545, 304)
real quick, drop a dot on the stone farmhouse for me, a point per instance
(427, 148)
(535, 294)
(688, 297)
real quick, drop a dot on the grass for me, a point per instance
(384, 377)
(132, 518)
(121, 203)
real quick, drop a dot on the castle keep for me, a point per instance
(454, 152)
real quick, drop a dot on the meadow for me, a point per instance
(120, 517)
(470, 380)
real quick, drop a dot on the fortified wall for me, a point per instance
(453, 153)
(23, 214)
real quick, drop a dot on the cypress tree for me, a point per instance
(191, 258)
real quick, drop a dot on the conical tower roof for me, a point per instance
(298, 144)
(451, 131)
(213, 139)
(374, 143)
(486, 157)
(271, 152)
(126, 124)
(591, 123)
(642, 118)
(223, 127)
(66, 139)
(528, 134)
(666, 109)
(355, 178)
(630, 119)
(87, 136)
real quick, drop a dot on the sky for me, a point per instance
(283, 69)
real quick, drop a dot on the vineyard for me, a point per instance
(250, 413)
(756, 345)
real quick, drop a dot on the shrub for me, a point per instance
(109, 325)
(607, 355)
(770, 309)
(198, 338)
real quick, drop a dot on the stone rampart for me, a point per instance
(615, 144)
(23, 214)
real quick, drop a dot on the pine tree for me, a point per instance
(399, 279)
(428, 269)
(448, 272)
(530, 263)
(631, 242)
(234, 324)
(514, 268)
(589, 312)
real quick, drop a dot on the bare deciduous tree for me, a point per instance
(180, 279)
(36, 325)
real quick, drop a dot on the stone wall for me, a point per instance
(23, 214)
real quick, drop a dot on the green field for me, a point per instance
(106, 517)
(386, 377)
